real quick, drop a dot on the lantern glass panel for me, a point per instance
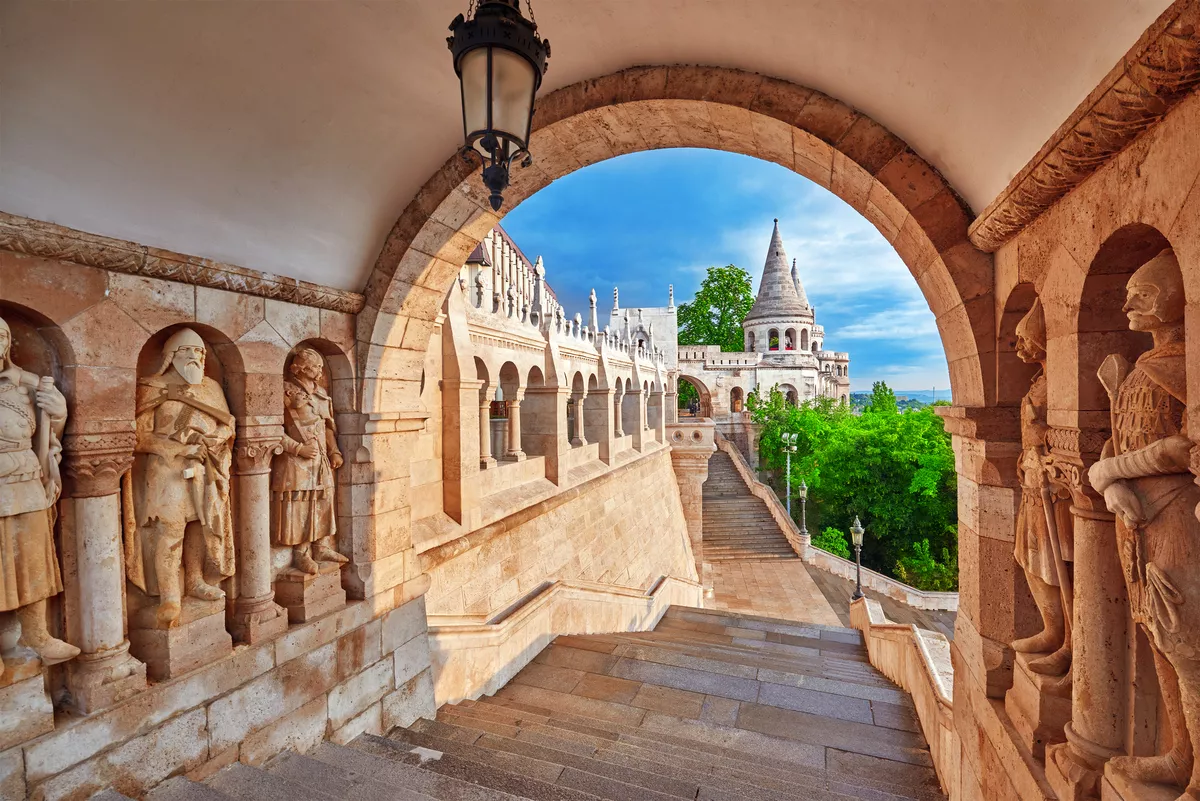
(474, 66)
(512, 94)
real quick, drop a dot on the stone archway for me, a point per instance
(706, 405)
(711, 107)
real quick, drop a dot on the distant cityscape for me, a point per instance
(905, 399)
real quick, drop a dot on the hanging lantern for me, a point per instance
(500, 59)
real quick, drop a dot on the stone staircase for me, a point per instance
(712, 706)
(737, 524)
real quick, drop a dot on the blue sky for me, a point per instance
(646, 220)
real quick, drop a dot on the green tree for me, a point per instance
(833, 541)
(892, 469)
(714, 316)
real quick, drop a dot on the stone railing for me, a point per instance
(843, 568)
(919, 662)
(479, 657)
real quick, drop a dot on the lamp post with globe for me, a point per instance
(856, 536)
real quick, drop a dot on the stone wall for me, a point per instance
(142, 703)
(1076, 259)
(624, 528)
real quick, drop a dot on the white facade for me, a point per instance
(784, 345)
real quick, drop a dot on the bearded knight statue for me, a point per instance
(1043, 541)
(181, 482)
(33, 414)
(1143, 475)
(302, 484)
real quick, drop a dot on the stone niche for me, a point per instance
(135, 679)
(26, 678)
(305, 551)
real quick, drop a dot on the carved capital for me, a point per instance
(94, 463)
(253, 456)
(1084, 443)
(1067, 475)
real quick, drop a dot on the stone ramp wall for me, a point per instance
(610, 554)
(624, 528)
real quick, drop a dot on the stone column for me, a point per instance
(618, 410)
(462, 455)
(660, 427)
(691, 446)
(514, 452)
(486, 461)
(1099, 665)
(639, 418)
(578, 439)
(255, 616)
(104, 673)
(598, 407)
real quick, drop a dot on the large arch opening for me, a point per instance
(710, 107)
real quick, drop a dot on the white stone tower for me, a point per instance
(781, 319)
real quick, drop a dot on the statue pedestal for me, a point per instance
(199, 638)
(100, 680)
(306, 596)
(1038, 706)
(25, 708)
(1115, 787)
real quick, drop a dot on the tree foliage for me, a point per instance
(833, 541)
(894, 470)
(714, 316)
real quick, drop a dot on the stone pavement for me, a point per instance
(779, 588)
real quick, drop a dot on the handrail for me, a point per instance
(919, 662)
(472, 657)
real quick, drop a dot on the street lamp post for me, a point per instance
(789, 447)
(856, 535)
(802, 492)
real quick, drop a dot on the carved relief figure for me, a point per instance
(1043, 541)
(32, 416)
(181, 481)
(1144, 478)
(302, 485)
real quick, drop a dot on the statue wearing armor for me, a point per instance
(302, 486)
(1145, 481)
(1043, 541)
(33, 414)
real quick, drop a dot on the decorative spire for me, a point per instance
(616, 306)
(670, 297)
(799, 286)
(593, 323)
(777, 295)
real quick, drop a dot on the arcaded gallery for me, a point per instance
(313, 487)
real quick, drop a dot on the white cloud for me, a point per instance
(910, 321)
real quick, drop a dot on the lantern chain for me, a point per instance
(471, 10)
(532, 18)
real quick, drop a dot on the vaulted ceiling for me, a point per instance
(287, 136)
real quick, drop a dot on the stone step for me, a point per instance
(395, 774)
(337, 783)
(247, 783)
(531, 778)
(732, 749)
(182, 789)
(645, 758)
(602, 778)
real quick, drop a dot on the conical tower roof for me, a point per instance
(777, 295)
